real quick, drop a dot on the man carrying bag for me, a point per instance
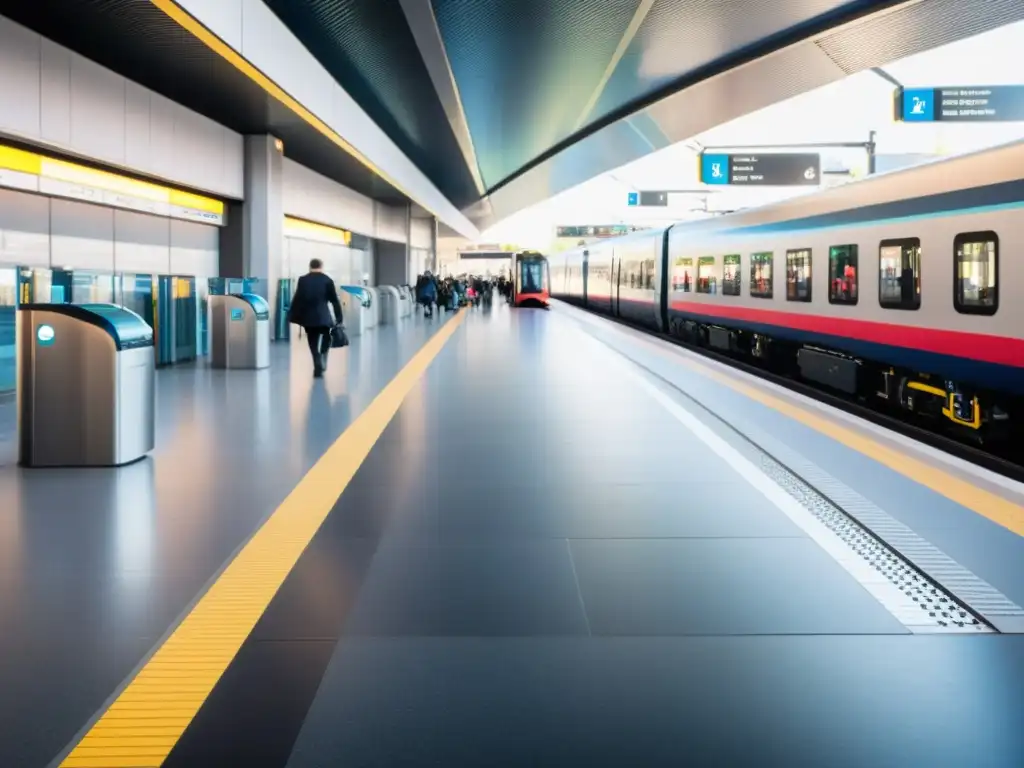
(314, 298)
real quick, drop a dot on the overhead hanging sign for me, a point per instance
(605, 230)
(32, 172)
(961, 104)
(761, 170)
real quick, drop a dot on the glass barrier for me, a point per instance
(8, 310)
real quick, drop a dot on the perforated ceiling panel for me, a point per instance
(367, 47)
(916, 28)
(681, 37)
(526, 69)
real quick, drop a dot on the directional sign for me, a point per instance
(961, 104)
(654, 198)
(767, 170)
(633, 198)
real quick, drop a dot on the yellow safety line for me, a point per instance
(985, 503)
(141, 726)
(194, 27)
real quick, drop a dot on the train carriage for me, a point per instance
(906, 286)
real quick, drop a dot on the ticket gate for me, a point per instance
(355, 307)
(390, 305)
(86, 385)
(372, 317)
(405, 300)
(239, 331)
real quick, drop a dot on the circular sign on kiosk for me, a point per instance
(45, 335)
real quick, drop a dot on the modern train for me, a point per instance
(905, 287)
(531, 280)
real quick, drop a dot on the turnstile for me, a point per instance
(239, 331)
(371, 318)
(86, 385)
(390, 305)
(355, 306)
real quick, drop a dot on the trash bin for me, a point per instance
(86, 385)
(239, 331)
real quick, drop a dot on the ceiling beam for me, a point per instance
(423, 24)
(627, 37)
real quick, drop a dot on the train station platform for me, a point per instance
(514, 537)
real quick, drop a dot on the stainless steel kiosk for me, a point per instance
(86, 385)
(239, 331)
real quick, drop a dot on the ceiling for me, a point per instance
(531, 77)
(504, 103)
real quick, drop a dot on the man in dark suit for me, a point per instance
(314, 292)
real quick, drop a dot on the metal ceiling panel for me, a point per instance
(873, 41)
(138, 41)
(368, 48)
(681, 37)
(526, 69)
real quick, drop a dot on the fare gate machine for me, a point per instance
(239, 331)
(86, 385)
(390, 305)
(355, 306)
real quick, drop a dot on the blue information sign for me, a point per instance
(237, 314)
(633, 198)
(714, 169)
(961, 104)
(775, 169)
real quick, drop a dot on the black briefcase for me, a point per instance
(339, 338)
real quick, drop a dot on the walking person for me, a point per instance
(314, 298)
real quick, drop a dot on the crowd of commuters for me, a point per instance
(449, 293)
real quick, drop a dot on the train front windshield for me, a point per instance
(531, 273)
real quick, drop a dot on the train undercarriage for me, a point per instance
(971, 414)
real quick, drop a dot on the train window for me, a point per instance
(798, 275)
(842, 274)
(761, 275)
(649, 275)
(976, 274)
(682, 275)
(899, 273)
(707, 277)
(731, 278)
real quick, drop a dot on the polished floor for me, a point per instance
(535, 565)
(97, 565)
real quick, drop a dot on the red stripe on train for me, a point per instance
(973, 346)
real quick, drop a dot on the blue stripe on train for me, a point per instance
(1005, 378)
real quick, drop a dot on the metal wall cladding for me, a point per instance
(368, 48)
(526, 70)
(914, 29)
(681, 38)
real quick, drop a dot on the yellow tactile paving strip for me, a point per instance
(142, 725)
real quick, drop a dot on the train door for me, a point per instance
(613, 276)
(585, 269)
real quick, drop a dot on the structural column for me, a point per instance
(252, 243)
(433, 245)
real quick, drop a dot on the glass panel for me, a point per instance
(798, 275)
(8, 308)
(761, 275)
(707, 280)
(842, 274)
(91, 287)
(731, 275)
(976, 272)
(532, 276)
(682, 275)
(899, 274)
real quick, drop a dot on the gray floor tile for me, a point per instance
(619, 511)
(722, 587)
(480, 589)
(841, 702)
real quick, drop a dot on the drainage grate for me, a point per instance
(929, 603)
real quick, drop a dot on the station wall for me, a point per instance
(52, 96)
